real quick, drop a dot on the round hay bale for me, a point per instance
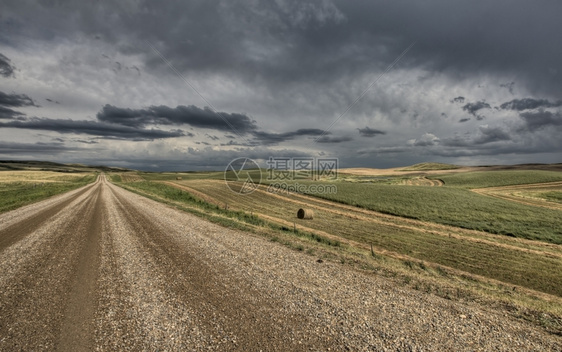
(178, 178)
(306, 214)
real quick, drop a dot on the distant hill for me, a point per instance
(430, 166)
(36, 165)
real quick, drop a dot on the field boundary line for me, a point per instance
(536, 202)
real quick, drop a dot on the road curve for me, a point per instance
(101, 268)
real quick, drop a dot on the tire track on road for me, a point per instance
(77, 328)
(17, 231)
(237, 311)
(33, 300)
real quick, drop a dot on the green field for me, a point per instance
(170, 176)
(553, 196)
(481, 179)
(456, 207)
(18, 193)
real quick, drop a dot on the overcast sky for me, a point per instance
(191, 85)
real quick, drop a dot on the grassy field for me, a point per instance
(169, 176)
(553, 196)
(19, 188)
(418, 240)
(454, 206)
(469, 180)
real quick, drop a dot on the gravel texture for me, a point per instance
(101, 268)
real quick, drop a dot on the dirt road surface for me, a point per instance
(101, 268)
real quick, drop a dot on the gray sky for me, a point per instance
(191, 85)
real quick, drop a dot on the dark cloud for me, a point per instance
(6, 68)
(295, 58)
(52, 101)
(457, 100)
(370, 132)
(95, 128)
(298, 40)
(34, 148)
(490, 135)
(6, 113)
(540, 119)
(472, 108)
(188, 115)
(330, 139)
(529, 103)
(464, 120)
(15, 100)
(275, 138)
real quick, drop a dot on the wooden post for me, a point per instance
(372, 252)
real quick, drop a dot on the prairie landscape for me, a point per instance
(288, 175)
(129, 260)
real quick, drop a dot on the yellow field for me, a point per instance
(37, 176)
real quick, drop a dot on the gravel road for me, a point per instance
(100, 268)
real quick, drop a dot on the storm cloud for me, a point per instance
(39, 148)
(370, 132)
(279, 73)
(541, 119)
(6, 68)
(92, 128)
(276, 138)
(180, 115)
(473, 108)
(528, 104)
(333, 139)
(15, 100)
(7, 113)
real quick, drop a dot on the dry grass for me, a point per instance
(37, 176)
(18, 188)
